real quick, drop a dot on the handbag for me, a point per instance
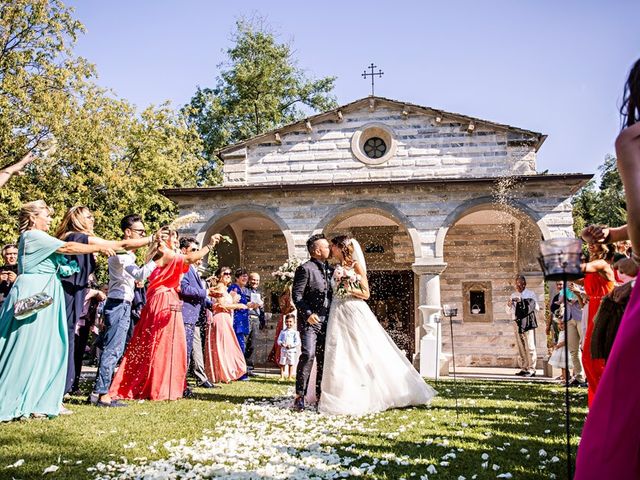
(26, 307)
(31, 305)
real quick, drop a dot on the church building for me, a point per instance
(448, 209)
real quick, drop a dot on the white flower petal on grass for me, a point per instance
(484, 456)
(554, 459)
(432, 469)
(16, 464)
(505, 475)
(495, 467)
(542, 453)
(51, 469)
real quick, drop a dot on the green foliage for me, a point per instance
(38, 73)
(259, 89)
(603, 203)
(109, 157)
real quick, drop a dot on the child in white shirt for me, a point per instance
(289, 341)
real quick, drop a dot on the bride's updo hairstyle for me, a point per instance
(343, 242)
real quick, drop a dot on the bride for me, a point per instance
(364, 371)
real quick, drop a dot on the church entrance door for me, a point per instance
(392, 301)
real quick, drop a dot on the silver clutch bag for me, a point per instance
(31, 305)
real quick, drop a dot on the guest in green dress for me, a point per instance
(33, 351)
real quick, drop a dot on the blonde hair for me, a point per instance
(30, 210)
(74, 220)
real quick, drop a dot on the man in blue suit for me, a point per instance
(193, 293)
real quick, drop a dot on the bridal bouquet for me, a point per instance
(283, 276)
(345, 281)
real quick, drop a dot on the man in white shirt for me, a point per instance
(525, 340)
(123, 274)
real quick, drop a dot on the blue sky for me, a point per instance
(557, 67)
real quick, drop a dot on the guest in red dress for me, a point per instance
(224, 360)
(598, 282)
(154, 366)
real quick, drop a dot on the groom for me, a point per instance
(312, 297)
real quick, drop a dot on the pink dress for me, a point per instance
(224, 360)
(610, 445)
(154, 367)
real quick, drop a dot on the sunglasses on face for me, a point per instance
(226, 273)
(139, 231)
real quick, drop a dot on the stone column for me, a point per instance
(428, 335)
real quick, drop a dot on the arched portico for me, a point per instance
(389, 249)
(232, 216)
(485, 246)
(262, 241)
(513, 207)
(374, 208)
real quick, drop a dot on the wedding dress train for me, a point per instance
(364, 370)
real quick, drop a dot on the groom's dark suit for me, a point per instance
(311, 294)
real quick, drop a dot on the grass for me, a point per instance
(496, 418)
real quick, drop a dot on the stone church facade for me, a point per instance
(448, 209)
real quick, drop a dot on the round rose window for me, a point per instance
(375, 147)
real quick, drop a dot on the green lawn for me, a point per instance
(498, 421)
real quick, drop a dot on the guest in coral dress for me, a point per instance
(598, 282)
(154, 366)
(224, 360)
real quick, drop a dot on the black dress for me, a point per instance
(75, 290)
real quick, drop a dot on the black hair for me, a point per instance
(521, 277)
(129, 220)
(313, 239)
(219, 271)
(630, 109)
(241, 271)
(8, 246)
(186, 242)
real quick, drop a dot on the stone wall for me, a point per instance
(425, 149)
(263, 251)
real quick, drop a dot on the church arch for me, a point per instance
(341, 212)
(515, 208)
(227, 216)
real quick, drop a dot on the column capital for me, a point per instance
(434, 266)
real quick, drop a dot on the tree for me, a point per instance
(259, 89)
(109, 157)
(603, 203)
(39, 75)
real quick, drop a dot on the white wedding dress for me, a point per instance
(364, 371)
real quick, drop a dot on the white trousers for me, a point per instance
(526, 345)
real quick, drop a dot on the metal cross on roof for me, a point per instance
(372, 75)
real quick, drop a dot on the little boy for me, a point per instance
(289, 341)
